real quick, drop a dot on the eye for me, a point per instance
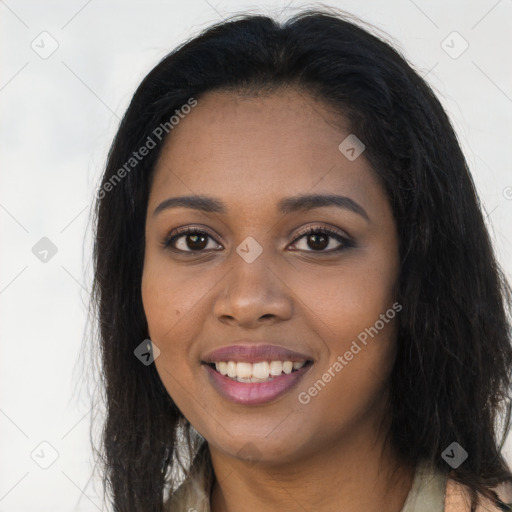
(321, 238)
(195, 240)
(188, 240)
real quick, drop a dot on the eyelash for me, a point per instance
(180, 232)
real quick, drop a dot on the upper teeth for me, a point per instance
(253, 372)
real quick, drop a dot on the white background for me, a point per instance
(58, 116)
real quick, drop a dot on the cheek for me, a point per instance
(165, 306)
(351, 299)
(175, 304)
(356, 321)
(168, 308)
(170, 297)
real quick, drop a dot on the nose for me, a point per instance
(252, 294)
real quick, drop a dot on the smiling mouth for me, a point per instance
(262, 371)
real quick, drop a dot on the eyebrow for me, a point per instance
(284, 206)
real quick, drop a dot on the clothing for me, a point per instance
(427, 492)
(431, 491)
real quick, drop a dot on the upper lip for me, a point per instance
(251, 353)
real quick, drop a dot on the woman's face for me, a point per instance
(252, 287)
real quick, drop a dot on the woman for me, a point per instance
(298, 301)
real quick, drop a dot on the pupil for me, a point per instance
(195, 239)
(323, 245)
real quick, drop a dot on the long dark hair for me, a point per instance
(451, 379)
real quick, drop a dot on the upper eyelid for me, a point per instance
(319, 227)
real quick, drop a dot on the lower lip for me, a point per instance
(254, 393)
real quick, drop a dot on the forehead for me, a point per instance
(259, 148)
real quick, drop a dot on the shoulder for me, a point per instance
(457, 498)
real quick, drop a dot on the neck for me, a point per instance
(355, 473)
